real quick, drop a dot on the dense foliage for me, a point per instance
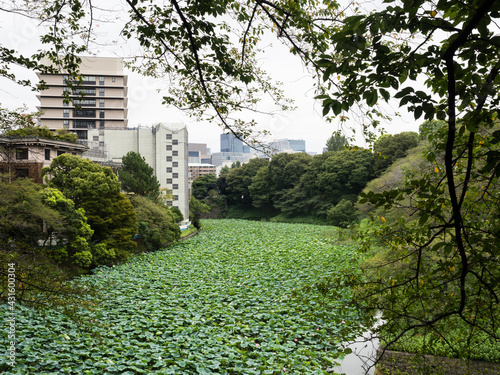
(156, 224)
(298, 185)
(138, 177)
(97, 190)
(202, 187)
(240, 297)
(196, 209)
(336, 142)
(390, 147)
(30, 215)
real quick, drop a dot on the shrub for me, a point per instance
(157, 225)
(343, 214)
(178, 216)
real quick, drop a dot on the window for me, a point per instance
(47, 154)
(65, 112)
(175, 186)
(169, 169)
(175, 175)
(88, 79)
(22, 172)
(169, 203)
(169, 158)
(101, 102)
(81, 134)
(169, 147)
(101, 113)
(101, 124)
(65, 124)
(175, 153)
(85, 124)
(176, 197)
(113, 79)
(95, 138)
(175, 142)
(84, 103)
(60, 152)
(101, 92)
(169, 180)
(81, 92)
(84, 113)
(169, 136)
(22, 154)
(101, 81)
(175, 164)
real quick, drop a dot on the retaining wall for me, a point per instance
(400, 363)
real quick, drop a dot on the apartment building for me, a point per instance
(198, 169)
(99, 99)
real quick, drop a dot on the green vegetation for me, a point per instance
(439, 60)
(27, 130)
(239, 298)
(192, 229)
(136, 176)
(156, 224)
(96, 189)
(336, 142)
(196, 209)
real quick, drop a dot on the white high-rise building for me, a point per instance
(163, 146)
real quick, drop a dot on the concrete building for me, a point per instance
(26, 156)
(99, 101)
(199, 153)
(200, 169)
(163, 146)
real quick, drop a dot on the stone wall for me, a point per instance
(400, 363)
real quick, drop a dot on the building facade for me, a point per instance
(26, 156)
(198, 169)
(163, 146)
(199, 153)
(229, 144)
(98, 101)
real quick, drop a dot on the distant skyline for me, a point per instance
(145, 98)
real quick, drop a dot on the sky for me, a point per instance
(145, 107)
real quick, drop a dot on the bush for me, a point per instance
(343, 214)
(178, 216)
(157, 225)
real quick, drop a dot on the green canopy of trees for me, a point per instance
(156, 224)
(137, 176)
(388, 148)
(96, 189)
(202, 185)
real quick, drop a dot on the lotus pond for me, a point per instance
(239, 298)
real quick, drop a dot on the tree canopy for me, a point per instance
(137, 176)
(96, 189)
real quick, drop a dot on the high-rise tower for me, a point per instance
(100, 102)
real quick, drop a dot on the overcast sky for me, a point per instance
(145, 106)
